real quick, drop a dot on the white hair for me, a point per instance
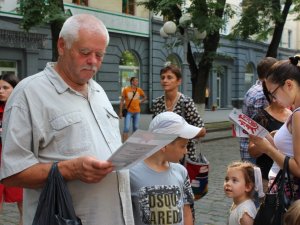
(70, 29)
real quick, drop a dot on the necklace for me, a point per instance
(171, 107)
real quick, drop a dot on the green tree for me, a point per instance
(38, 12)
(206, 15)
(263, 19)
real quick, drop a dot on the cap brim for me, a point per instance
(189, 131)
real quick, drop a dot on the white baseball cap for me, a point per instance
(172, 123)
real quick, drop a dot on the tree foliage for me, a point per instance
(207, 15)
(262, 19)
(38, 12)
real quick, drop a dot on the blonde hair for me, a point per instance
(247, 169)
(292, 216)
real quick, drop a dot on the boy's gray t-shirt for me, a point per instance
(159, 197)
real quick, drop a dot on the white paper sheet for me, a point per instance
(140, 145)
(247, 124)
(239, 131)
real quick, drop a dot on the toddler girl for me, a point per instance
(241, 180)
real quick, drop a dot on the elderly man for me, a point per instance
(61, 114)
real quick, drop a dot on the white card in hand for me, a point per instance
(247, 124)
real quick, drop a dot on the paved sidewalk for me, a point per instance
(219, 115)
(10, 214)
(208, 118)
(214, 121)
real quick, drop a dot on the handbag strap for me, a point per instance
(285, 171)
(289, 181)
(132, 98)
(280, 177)
(283, 177)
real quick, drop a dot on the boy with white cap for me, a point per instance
(160, 187)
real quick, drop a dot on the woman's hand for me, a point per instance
(253, 150)
(261, 144)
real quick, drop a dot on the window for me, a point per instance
(173, 59)
(81, 2)
(225, 28)
(289, 39)
(129, 66)
(221, 76)
(8, 66)
(249, 77)
(128, 7)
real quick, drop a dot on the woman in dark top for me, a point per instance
(174, 101)
(272, 118)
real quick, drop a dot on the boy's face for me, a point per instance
(176, 150)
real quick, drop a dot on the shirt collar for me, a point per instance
(259, 82)
(60, 85)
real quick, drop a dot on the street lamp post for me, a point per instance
(169, 28)
(185, 64)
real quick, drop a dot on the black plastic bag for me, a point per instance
(55, 203)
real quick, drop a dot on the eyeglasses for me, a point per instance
(272, 94)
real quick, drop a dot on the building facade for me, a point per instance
(135, 49)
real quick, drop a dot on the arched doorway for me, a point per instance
(129, 66)
(174, 60)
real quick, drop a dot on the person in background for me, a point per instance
(62, 115)
(174, 101)
(134, 96)
(272, 118)
(165, 177)
(8, 81)
(255, 100)
(292, 215)
(206, 96)
(283, 84)
(240, 185)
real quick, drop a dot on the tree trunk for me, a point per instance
(55, 29)
(56, 26)
(210, 45)
(279, 24)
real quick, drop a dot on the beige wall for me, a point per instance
(111, 5)
(141, 11)
(290, 24)
(8, 5)
(108, 5)
(114, 6)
